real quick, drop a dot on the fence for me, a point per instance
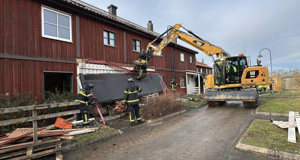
(291, 82)
(34, 118)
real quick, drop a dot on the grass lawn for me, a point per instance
(279, 105)
(284, 93)
(265, 134)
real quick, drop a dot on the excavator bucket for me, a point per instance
(141, 68)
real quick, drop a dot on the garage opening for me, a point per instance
(62, 82)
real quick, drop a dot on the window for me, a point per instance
(201, 70)
(191, 59)
(206, 70)
(182, 82)
(136, 45)
(109, 38)
(197, 70)
(56, 25)
(56, 81)
(181, 57)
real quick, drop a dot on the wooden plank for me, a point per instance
(29, 119)
(37, 155)
(298, 124)
(23, 152)
(37, 107)
(292, 130)
(34, 124)
(24, 145)
(80, 132)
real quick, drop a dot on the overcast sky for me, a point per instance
(238, 26)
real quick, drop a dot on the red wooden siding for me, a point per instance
(26, 76)
(22, 33)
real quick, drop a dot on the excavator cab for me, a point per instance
(230, 70)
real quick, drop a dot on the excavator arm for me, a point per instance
(172, 33)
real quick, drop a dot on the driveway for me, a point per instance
(200, 133)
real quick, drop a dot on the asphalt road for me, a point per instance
(198, 134)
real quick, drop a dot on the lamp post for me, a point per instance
(259, 56)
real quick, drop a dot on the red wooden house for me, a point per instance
(40, 41)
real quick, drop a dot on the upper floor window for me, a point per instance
(182, 57)
(109, 38)
(136, 45)
(56, 25)
(191, 59)
(197, 70)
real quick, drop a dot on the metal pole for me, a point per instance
(271, 67)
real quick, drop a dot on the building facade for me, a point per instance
(40, 41)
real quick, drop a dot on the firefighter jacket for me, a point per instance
(131, 94)
(85, 96)
(173, 85)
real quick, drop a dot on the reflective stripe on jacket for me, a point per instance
(131, 94)
(85, 96)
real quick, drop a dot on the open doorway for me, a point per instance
(60, 81)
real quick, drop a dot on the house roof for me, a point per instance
(110, 87)
(202, 65)
(78, 4)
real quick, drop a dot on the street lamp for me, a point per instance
(259, 56)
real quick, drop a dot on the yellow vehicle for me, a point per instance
(233, 79)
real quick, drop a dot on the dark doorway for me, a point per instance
(201, 85)
(63, 82)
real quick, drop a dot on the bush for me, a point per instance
(163, 105)
(15, 101)
(58, 96)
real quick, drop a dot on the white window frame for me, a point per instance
(135, 46)
(182, 82)
(57, 12)
(191, 59)
(108, 40)
(182, 57)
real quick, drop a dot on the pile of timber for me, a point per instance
(15, 145)
(145, 99)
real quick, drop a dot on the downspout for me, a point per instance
(173, 64)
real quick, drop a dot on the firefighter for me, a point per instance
(131, 100)
(84, 96)
(173, 85)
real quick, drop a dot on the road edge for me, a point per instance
(271, 114)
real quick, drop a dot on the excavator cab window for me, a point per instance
(219, 67)
(234, 69)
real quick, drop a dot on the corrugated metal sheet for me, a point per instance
(110, 87)
(87, 68)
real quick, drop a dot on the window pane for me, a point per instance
(63, 20)
(50, 30)
(105, 41)
(112, 42)
(50, 16)
(63, 33)
(105, 34)
(111, 36)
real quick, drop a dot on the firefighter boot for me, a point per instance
(139, 121)
(132, 123)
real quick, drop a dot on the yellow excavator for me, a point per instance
(233, 79)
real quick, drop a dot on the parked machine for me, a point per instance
(233, 79)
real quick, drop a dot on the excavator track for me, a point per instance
(213, 104)
(251, 104)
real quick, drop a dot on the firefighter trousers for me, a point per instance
(134, 110)
(84, 113)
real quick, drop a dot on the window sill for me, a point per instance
(110, 46)
(58, 39)
(136, 51)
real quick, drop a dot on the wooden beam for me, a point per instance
(30, 119)
(292, 130)
(37, 107)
